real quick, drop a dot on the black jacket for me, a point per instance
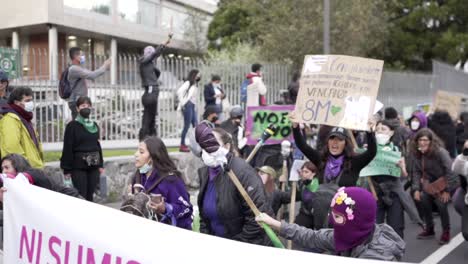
(239, 221)
(78, 140)
(40, 179)
(209, 94)
(350, 174)
(148, 71)
(442, 125)
(277, 198)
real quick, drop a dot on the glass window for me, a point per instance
(128, 10)
(98, 6)
(148, 13)
(174, 19)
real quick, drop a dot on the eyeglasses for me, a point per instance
(423, 140)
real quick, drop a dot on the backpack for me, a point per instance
(65, 89)
(243, 89)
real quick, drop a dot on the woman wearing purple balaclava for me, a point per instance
(354, 233)
(149, 74)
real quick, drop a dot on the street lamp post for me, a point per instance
(326, 26)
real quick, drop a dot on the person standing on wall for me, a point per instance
(187, 95)
(214, 96)
(256, 90)
(78, 76)
(82, 159)
(149, 80)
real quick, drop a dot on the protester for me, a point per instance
(392, 199)
(17, 133)
(293, 88)
(417, 121)
(462, 131)
(214, 95)
(14, 164)
(210, 118)
(187, 95)
(4, 93)
(460, 198)
(158, 175)
(432, 170)
(211, 115)
(82, 159)
(308, 186)
(149, 74)
(401, 133)
(275, 198)
(256, 88)
(234, 127)
(223, 212)
(354, 233)
(443, 126)
(78, 76)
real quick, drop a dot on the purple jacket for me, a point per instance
(172, 188)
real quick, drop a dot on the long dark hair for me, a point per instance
(192, 76)
(19, 163)
(348, 153)
(435, 145)
(159, 155)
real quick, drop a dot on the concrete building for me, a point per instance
(99, 27)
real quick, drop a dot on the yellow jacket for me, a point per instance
(14, 138)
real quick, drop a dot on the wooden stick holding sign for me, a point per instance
(269, 131)
(271, 234)
(294, 178)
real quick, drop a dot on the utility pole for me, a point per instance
(326, 26)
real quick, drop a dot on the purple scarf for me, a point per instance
(333, 167)
(213, 172)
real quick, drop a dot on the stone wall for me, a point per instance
(119, 170)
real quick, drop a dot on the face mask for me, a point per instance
(465, 152)
(414, 125)
(29, 106)
(145, 168)
(214, 119)
(197, 79)
(382, 139)
(82, 59)
(216, 158)
(85, 112)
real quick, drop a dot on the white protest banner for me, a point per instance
(295, 168)
(42, 226)
(378, 106)
(338, 90)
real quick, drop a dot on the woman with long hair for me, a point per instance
(187, 95)
(308, 186)
(432, 169)
(157, 175)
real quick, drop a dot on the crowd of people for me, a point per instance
(341, 213)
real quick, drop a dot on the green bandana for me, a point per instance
(88, 124)
(313, 186)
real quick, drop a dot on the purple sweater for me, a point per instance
(172, 188)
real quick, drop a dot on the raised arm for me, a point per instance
(312, 154)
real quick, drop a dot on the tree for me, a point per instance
(424, 30)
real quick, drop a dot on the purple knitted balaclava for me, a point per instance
(353, 217)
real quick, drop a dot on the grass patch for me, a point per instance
(51, 156)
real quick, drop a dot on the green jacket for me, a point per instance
(15, 138)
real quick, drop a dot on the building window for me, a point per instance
(173, 20)
(148, 13)
(98, 6)
(128, 10)
(138, 11)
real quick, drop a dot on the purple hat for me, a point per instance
(205, 138)
(353, 217)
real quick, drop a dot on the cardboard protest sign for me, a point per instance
(407, 112)
(259, 117)
(384, 163)
(450, 102)
(338, 90)
(295, 168)
(378, 106)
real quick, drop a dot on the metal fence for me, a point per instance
(117, 108)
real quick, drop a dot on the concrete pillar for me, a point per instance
(113, 56)
(53, 53)
(15, 40)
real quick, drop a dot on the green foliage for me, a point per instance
(239, 53)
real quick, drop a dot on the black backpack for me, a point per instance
(65, 89)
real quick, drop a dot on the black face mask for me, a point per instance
(307, 182)
(85, 112)
(214, 119)
(465, 152)
(197, 79)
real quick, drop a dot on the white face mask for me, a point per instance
(29, 106)
(382, 139)
(414, 125)
(216, 158)
(145, 168)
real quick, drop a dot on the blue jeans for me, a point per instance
(190, 118)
